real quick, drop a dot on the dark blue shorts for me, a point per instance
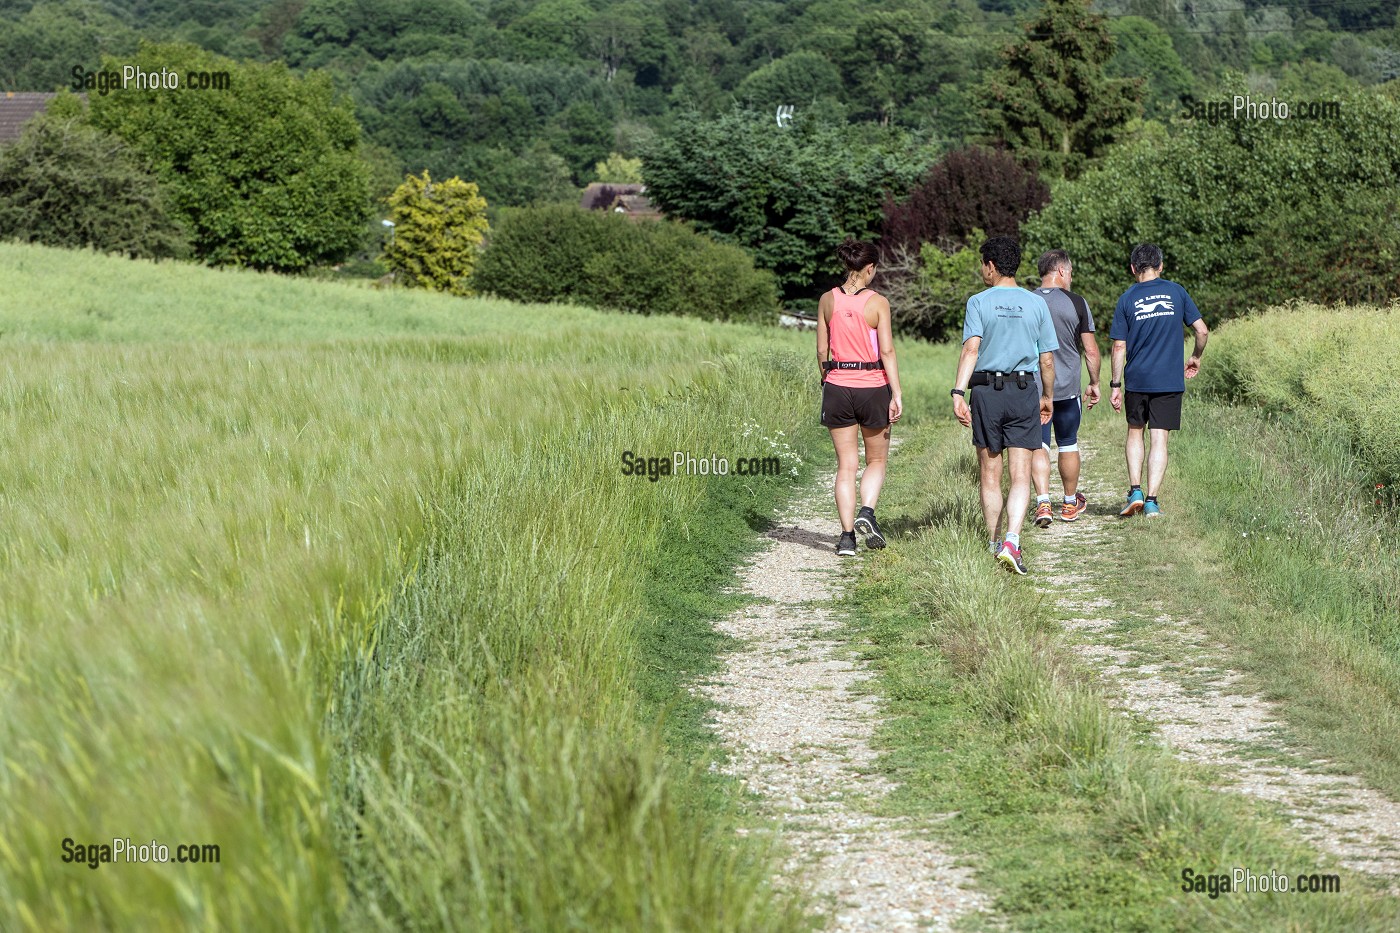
(1065, 422)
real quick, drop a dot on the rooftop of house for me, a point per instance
(17, 108)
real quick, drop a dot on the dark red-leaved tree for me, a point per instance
(968, 189)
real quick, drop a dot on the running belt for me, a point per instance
(995, 379)
(852, 364)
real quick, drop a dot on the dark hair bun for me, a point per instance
(856, 254)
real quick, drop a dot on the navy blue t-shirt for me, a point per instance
(1150, 316)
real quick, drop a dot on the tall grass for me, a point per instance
(1333, 367)
(351, 585)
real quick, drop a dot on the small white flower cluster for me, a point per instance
(780, 448)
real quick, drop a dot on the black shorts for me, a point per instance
(843, 406)
(1159, 410)
(1006, 417)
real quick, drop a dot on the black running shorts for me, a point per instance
(843, 406)
(1159, 410)
(1006, 417)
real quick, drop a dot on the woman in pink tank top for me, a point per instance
(860, 389)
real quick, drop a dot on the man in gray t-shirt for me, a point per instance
(1074, 329)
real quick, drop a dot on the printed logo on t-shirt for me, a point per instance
(1153, 306)
(1015, 311)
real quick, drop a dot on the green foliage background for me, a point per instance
(789, 197)
(66, 183)
(1247, 212)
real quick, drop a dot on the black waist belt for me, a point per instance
(987, 377)
(854, 364)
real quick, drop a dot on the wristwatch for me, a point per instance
(957, 392)
(1114, 385)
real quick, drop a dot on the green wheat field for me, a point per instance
(350, 583)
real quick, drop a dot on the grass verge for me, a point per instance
(1074, 821)
(1276, 545)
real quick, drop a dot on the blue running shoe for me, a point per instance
(1135, 503)
(1152, 510)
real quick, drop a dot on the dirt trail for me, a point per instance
(1195, 701)
(798, 726)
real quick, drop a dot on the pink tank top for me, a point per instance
(852, 339)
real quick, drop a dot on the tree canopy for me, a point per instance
(788, 194)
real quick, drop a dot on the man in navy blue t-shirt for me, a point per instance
(1147, 336)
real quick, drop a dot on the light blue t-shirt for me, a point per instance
(1015, 327)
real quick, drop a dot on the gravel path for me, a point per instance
(1195, 702)
(795, 716)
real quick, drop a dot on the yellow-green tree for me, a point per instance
(438, 231)
(617, 169)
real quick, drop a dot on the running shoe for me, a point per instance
(1134, 506)
(1070, 511)
(1010, 555)
(1152, 510)
(865, 524)
(1043, 516)
(846, 547)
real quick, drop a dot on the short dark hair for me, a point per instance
(1050, 260)
(857, 254)
(1146, 256)
(1004, 252)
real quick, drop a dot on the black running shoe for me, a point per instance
(846, 547)
(865, 524)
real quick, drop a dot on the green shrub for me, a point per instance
(561, 253)
(65, 183)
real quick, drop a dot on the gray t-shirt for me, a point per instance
(1070, 315)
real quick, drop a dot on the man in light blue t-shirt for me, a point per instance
(1148, 376)
(1007, 336)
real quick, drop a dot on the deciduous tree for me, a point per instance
(266, 173)
(788, 195)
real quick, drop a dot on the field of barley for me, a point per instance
(351, 584)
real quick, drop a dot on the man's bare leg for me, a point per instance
(990, 487)
(1135, 454)
(1156, 461)
(1017, 501)
(1069, 472)
(1040, 472)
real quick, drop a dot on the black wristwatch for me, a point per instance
(957, 392)
(1114, 385)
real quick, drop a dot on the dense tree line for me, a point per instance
(525, 96)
